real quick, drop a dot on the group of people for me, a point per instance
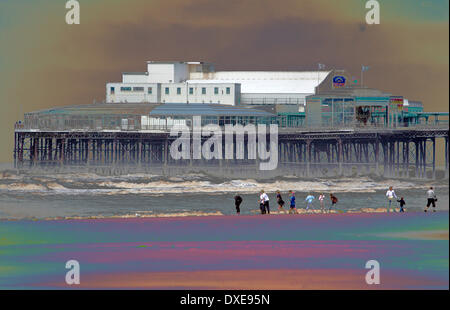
(390, 195)
(431, 200)
(265, 207)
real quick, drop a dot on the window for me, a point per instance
(112, 90)
(191, 90)
(228, 90)
(138, 88)
(150, 90)
(216, 90)
(178, 90)
(167, 90)
(203, 90)
(125, 89)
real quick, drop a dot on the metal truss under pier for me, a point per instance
(405, 152)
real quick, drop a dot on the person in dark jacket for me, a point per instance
(280, 202)
(237, 203)
(334, 201)
(402, 204)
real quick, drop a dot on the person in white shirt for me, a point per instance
(431, 197)
(264, 200)
(390, 194)
(322, 206)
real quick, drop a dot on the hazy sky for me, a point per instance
(44, 62)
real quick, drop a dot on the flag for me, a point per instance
(365, 68)
(321, 66)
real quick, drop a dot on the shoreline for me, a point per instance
(218, 214)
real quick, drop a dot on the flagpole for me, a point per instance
(362, 76)
(318, 68)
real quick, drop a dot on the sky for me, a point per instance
(46, 63)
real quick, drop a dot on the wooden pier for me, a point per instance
(398, 153)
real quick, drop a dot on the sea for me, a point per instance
(28, 195)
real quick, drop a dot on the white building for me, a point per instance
(198, 82)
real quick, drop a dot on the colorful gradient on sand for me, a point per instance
(46, 63)
(229, 252)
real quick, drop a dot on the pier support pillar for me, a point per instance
(434, 158)
(446, 157)
(308, 162)
(340, 157)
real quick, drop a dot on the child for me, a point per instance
(321, 200)
(280, 202)
(309, 201)
(292, 208)
(402, 203)
(334, 201)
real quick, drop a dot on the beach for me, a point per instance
(83, 195)
(304, 251)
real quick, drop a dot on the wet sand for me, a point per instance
(304, 251)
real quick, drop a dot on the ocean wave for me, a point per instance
(153, 184)
(22, 187)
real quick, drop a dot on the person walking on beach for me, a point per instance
(334, 201)
(292, 208)
(390, 194)
(431, 199)
(261, 204)
(237, 203)
(280, 202)
(321, 201)
(309, 201)
(264, 199)
(402, 204)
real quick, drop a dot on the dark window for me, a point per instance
(138, 88)
(149, 90)
(203, 90)
(125, 89)
(112, 90)
(228, 90)
(191, 91)
(167, 90)
(216, 90)
(178, 90)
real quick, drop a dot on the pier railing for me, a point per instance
(165, 128)
(133, 123)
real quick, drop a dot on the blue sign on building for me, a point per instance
(338, 81)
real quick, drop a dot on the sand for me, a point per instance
(304, 251)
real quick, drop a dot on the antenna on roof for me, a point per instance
(321, 67)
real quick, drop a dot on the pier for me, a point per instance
(408, 152)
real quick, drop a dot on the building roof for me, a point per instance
(176, 62)
(99, 108)
(183, 109)
(275, 82)
(135, 73)
(168, 109)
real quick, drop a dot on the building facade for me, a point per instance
(339, 102)
(198, 82)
